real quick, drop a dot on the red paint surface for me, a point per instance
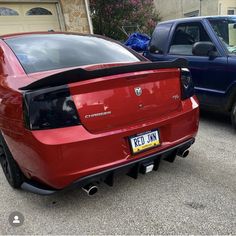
(58, 157)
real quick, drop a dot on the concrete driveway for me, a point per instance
(196, 195)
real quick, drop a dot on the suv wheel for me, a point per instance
(10, 168)
(233, 116)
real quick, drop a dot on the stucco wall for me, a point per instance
(169, 9)
(190, 6)
(75, 15)
(172, 9)
(209, 7)
(224, 5)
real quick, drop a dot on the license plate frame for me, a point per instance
(145, 146)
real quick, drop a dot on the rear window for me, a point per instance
(160, 37)
(48, 52)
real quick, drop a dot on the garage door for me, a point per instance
(25, 17)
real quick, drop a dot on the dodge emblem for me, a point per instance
(138, 91)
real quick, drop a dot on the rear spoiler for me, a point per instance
(80, 74)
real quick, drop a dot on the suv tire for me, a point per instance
(233, 116)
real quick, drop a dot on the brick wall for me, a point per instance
(75, 15)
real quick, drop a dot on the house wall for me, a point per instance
(225, 5)
(209, 7)
(190, 6)
(169, 9)
(172, 9)
(75, 16)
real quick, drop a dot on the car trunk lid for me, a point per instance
(122, 100)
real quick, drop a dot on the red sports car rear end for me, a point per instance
(76, 109)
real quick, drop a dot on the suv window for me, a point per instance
(185, 36)
(225, 30)
(56, 51)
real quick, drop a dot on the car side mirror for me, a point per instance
(154, 49)
(204, 49)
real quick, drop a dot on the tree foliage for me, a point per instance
(111, 17)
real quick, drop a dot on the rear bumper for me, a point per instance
(132, 169)
(59, 157)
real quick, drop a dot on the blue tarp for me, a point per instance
(138, 42)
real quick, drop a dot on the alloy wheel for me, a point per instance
(5, 164)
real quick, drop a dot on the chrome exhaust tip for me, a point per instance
(183, 153)
(90, 189)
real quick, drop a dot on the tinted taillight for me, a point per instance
(49, 108)
(187, 85)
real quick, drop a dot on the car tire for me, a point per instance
(233, 116)
(10, 168)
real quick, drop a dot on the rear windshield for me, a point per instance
(48, 52)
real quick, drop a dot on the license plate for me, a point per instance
(142, 142)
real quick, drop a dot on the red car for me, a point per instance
(77, 109)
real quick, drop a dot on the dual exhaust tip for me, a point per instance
(183, 153)
(91, 189)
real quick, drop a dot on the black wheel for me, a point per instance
(233, 116)
(10, 168)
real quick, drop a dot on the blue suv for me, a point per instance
(209, 44)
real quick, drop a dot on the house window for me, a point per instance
(192, 14)
(231, 11)
(38, 11)
(4, 11)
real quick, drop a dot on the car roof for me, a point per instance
(197, 18)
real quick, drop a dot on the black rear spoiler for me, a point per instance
(80, 74)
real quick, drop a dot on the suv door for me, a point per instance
(208, 73)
